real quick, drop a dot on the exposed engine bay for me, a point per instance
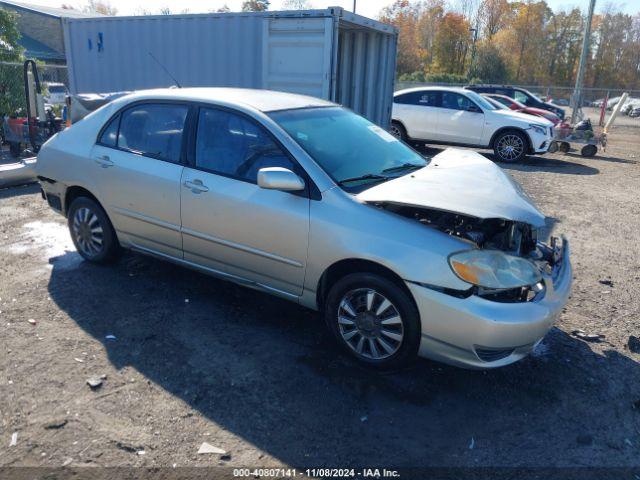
(516, 238)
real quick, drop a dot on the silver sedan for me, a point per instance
(306, 200)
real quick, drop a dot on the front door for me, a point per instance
(229, 223)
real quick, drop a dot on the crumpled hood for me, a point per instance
(460, 181)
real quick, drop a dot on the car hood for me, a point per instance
(525, 117)
(538, 111)
(551, 106)
(460, 181)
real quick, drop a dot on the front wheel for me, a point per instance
(91, 231)
(374, 320)
(510, 147)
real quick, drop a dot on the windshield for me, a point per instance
(480, 100)
(56, 88)
(353, 151)
(534, 96)
(496, 103)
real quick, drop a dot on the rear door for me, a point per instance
(460, 120)
(418, 113)
(229, 223)
(136, 163)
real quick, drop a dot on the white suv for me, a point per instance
(455, 116)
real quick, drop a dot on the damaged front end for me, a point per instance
(506, 262)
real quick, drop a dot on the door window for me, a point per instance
(154, 130)
(426, 99)
(230, 144)
(455, 101)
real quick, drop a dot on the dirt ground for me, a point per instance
(199, 360)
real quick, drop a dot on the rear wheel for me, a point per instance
(91, 231)
(15, 149)
(510, 146)
(564, 147)
(398, 131)
(374, 320)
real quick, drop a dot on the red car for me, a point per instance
(512, 104)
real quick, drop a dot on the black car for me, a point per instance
(519, 94)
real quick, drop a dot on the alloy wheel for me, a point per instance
(510, 147)
(395, 131)
(88, 232)
(370, 324)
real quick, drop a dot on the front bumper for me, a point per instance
(465, 331)
(539, 143)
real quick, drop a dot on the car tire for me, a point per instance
(398, 131)
(374, 320)
(510, 146)
(589, 151)
(91, 231)
(15, 149)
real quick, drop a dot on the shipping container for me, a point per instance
(332, 54)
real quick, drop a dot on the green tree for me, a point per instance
(404, 15)
(11, 87)
(452, 44)
(255, 5)
(490, 65)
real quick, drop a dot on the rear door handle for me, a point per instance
(104, 161)
(196, 186)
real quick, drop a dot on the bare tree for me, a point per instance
(296, 5)
(103, 7)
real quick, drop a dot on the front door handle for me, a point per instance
(104, 161)
(196, 186)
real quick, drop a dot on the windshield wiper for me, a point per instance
(404, 166)
(368, 176)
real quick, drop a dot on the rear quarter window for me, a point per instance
(109, 136)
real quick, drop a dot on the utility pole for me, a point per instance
(576, 98)
(473, 50)
(354, 6)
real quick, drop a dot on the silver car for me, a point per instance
(306, 200)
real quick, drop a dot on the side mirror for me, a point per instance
(474, 109)
(278, 178)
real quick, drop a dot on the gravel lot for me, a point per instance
(198, 360)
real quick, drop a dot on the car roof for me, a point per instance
(431, 88)
(512, 87)
(262, 100)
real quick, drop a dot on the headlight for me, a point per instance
(539, 129)
(494, 269)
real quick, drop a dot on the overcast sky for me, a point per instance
(369, 8)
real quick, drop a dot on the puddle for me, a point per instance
(52, 240)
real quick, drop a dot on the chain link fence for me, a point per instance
(560, 95)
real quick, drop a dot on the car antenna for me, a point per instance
(165, 69)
